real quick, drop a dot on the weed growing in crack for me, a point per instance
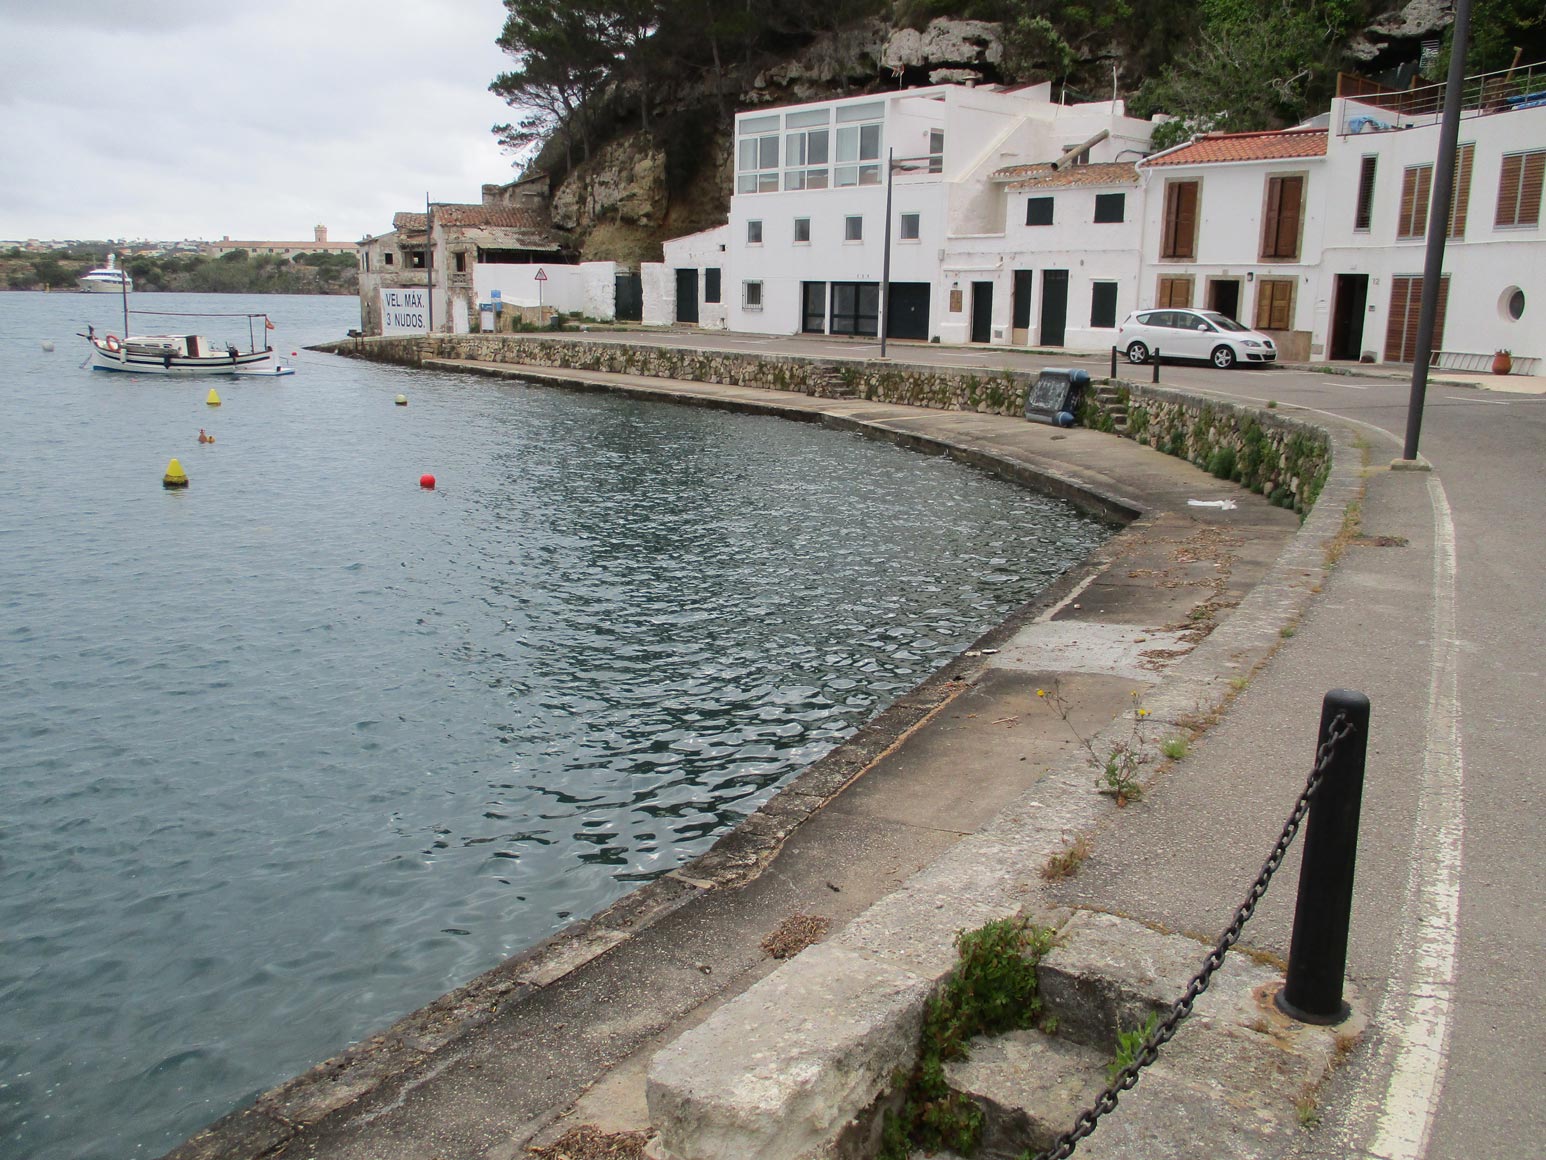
(1130, 1046)
(992, 989)
(1120, 764)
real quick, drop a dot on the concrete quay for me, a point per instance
(669, 1016)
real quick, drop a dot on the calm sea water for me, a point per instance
(286, 755)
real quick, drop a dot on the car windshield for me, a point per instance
(1222, 321)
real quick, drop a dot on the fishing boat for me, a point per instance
(186, 354)
(108, 279)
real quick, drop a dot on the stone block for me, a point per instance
(777, 1071)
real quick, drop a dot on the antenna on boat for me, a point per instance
(123, 284)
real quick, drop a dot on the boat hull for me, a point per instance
(90, 285)
(260, 363)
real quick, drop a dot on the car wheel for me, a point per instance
(1223, 357)
(1137, 353)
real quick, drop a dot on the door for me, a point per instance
(687, 296)
(813, 313)
(1054, 307)
(1020, 334)
(1348, 305)
(856, 308)
(629, 304)
(982, 311)
(1224, 297)
(907, 310)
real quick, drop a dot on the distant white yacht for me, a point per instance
(109, 279)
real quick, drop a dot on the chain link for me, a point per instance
(1127, 1078)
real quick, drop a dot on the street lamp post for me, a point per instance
(1438, 225)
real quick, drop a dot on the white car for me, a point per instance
(1200, 334)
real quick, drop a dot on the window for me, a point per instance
(1110, 207)
(858, 145)
(805, 154)
(853, 228)
(855, 308)
(936, 150)
(1406, 297)
(1281, 219)
(1103, 303)
(802, 230)
(711, 284)
(751, 295)
(754, 233)
(908, 231)
(1416, 181)
(387, 258)
(1038, 211)
(1275, 303)
(1519, 189)
(1363, 212)
(1175, 291)
(756, 165)
(1460, 201)
(461, 261)
(1179, 236)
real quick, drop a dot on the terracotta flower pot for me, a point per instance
(1502, 363)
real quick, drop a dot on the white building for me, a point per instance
(1018, 221)
(804, 248)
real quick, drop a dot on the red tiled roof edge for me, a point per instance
(1259, 146)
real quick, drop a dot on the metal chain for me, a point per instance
(1127, 1078)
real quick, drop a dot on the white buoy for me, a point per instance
(48, 346)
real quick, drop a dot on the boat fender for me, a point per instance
(112, 343)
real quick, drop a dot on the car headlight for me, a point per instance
(1249, 342)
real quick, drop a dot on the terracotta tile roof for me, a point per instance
(1045, 177)
(529, 226)
(1214, 147)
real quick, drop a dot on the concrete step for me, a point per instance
(1031, 1087)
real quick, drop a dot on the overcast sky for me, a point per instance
(170, 119)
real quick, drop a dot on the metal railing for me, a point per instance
(1521, 87)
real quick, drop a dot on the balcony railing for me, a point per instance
(1521, 87)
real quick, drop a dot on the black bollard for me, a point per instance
(1113, 362)
(1155, 357)
(1317, 955)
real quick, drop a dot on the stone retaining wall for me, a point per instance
(1284, 459)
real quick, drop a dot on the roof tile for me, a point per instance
(1045, 177)
(1219, 147)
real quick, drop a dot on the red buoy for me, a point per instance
(427, 481)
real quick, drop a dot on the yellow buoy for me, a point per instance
(213, 399)
(401, 400)
(175, 475)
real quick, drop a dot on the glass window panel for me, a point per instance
(806, 119)
(748, 159)
(909, 227)
(848, 144)
(802, 229)
(767, 182)
(869, 175)
(816, 179)
(767, 152)
(794, 149)
(794, 179)
(869, 142)
(746, 183)
(751, 126)
(845, 175)
(869, 111)
(816, 150)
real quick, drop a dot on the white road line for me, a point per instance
(1418, 1007)
(1485, 402)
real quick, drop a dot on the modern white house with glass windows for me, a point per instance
(805, 243)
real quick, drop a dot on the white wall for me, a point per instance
(702, 251)
(1484, 265)
(589, 288)
(659, 289)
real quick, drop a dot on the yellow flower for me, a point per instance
(1041, 692)
(1143, 712)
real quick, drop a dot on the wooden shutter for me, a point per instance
(1175, 292)
(1180, 234)
(1275, 304)
(1519, 189)
(1460, 199)
(1416, 184)
(1406, 299)
(1363, 215)
(1280, 227)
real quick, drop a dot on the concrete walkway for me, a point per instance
(1187, 608)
